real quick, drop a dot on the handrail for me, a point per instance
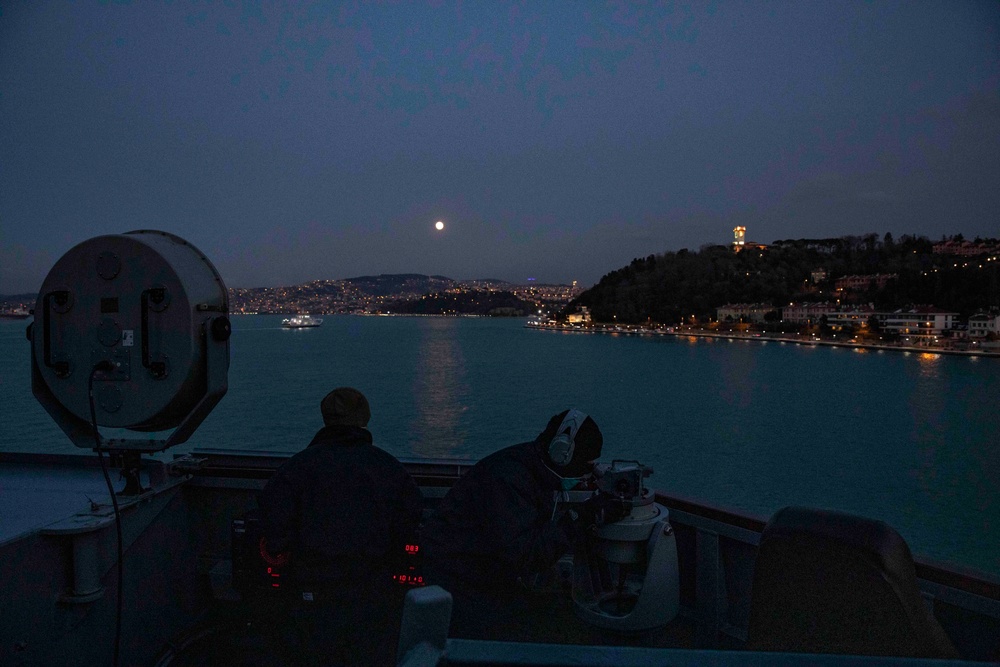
(949, 575)
(260, 464)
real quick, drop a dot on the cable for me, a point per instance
(106, 366)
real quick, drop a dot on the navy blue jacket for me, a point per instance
(495, 525)
(342, 508)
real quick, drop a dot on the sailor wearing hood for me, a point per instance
(497, 528)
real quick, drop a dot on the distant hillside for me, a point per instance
(469, 302)
(383, 285)
(675, 285)
(398, 293)
(401, 293)
(400, 283)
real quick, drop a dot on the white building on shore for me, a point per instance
(923, 324)
(807, 312)
(746, 312)
(852, 317)
(581, 316)
(983, 324)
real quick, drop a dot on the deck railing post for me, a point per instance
(424, 630)
(709, 589)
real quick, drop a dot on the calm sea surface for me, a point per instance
(911, 439)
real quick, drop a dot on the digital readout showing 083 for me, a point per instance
(410, 576)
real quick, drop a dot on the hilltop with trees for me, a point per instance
(672, 286)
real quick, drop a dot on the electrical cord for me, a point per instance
(99, 367)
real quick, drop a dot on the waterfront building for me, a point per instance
(807, 312)
(851, 317)
(923, 324)
(745, 312)
(984, 323)
(581, 316)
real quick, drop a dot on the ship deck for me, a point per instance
(182, 609)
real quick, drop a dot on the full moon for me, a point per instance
(439, 225)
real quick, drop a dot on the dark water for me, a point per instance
(908, 438)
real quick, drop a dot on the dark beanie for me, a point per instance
(586, 445)
(346, 407)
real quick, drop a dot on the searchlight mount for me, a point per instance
(625, 578)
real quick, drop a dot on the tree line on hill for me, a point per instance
(673, 286)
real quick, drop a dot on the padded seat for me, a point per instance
(828, 582)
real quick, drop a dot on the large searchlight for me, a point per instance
(142, 319)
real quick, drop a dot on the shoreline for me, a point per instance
(762, 338)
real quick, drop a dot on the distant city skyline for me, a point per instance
(553, 141)
(943, 246)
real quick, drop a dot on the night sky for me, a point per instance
(555, 140)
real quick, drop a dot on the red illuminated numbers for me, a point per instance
(412, 548)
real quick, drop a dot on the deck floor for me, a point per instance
(250, 631)
(35, 496)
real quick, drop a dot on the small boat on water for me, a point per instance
(301, 322)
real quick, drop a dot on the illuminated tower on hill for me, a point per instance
(739, 238)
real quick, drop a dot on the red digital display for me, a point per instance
(411, 575)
